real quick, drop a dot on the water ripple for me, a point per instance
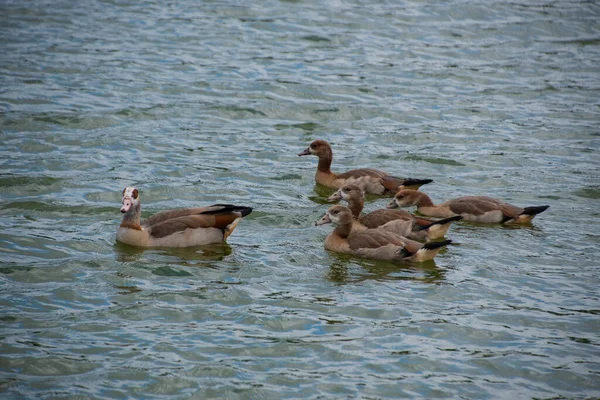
(211, 102)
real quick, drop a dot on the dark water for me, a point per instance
(204, 102)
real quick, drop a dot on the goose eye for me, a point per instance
(135, 194)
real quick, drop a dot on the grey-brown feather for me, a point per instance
(479, 205)
(359, 173)
(373, 239)
(171, 214)
(412, 246)
(180, 224)
(377, 218)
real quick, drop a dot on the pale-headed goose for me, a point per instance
(419, 228)
(472, 208)
(176, 228)
(371, 180)
(373, 243)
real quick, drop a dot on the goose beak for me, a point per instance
(127, 203)
(324, 220)
(305, 152)
(334, 197)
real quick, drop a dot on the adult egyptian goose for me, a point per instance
(418, 228)
(370, 180)
(373, 243)
(177, 228)
(471, 208)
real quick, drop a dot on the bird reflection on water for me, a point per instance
(188, 256)
(351, 270)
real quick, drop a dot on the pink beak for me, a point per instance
(127, 203)
(336, 196)
(324, 220)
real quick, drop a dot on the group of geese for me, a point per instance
(387, 234)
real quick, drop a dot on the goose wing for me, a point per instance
(217, 216)
(378, 218)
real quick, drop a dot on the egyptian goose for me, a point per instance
(373, 243)
(176, 228)
(472, 208)
(370, 180)
(418, 228)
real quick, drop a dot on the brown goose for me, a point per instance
(419, 228)
(370, 180)
(373, 243)
(471, 208)
(177, 228)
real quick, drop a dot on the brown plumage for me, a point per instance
(419, 228)
(472, 208)
(369, 179)
(373, 243)
(177, 228)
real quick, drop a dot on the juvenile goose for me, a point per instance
(176, 228)
(371, 180)
(419, 228)
(373, 243)
(472, 208)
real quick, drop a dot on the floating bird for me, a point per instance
(373, 243)
(418, 228)
(472, 208)
(177, 228)
(370, 180)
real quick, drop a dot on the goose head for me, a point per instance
(337, 214)
(405, 198)
(319, 148)
(130, 199)
(348, 192)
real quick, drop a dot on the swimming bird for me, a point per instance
(370, 180)
(419, 228)
(472, 208)
(373, 243)
(176, 228)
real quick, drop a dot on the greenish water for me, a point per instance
(197, 103)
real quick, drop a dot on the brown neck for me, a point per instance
(131, 219)
(343, 230)
(131, 225)
(325, 162)
(356, 206)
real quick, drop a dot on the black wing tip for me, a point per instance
(447, 220)
(405, 253)
(226, 208)
(436, 245)
(393, 183)
(409, 181)
(413, 182)
(245, 210)
(440, 222)
(534, 210)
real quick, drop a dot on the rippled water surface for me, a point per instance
(203, 102)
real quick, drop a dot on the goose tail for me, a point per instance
(427, 252)
(394, 184)
(229, 208)
(528, 213)
(535, 210)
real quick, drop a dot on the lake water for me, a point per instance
(197, 103)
